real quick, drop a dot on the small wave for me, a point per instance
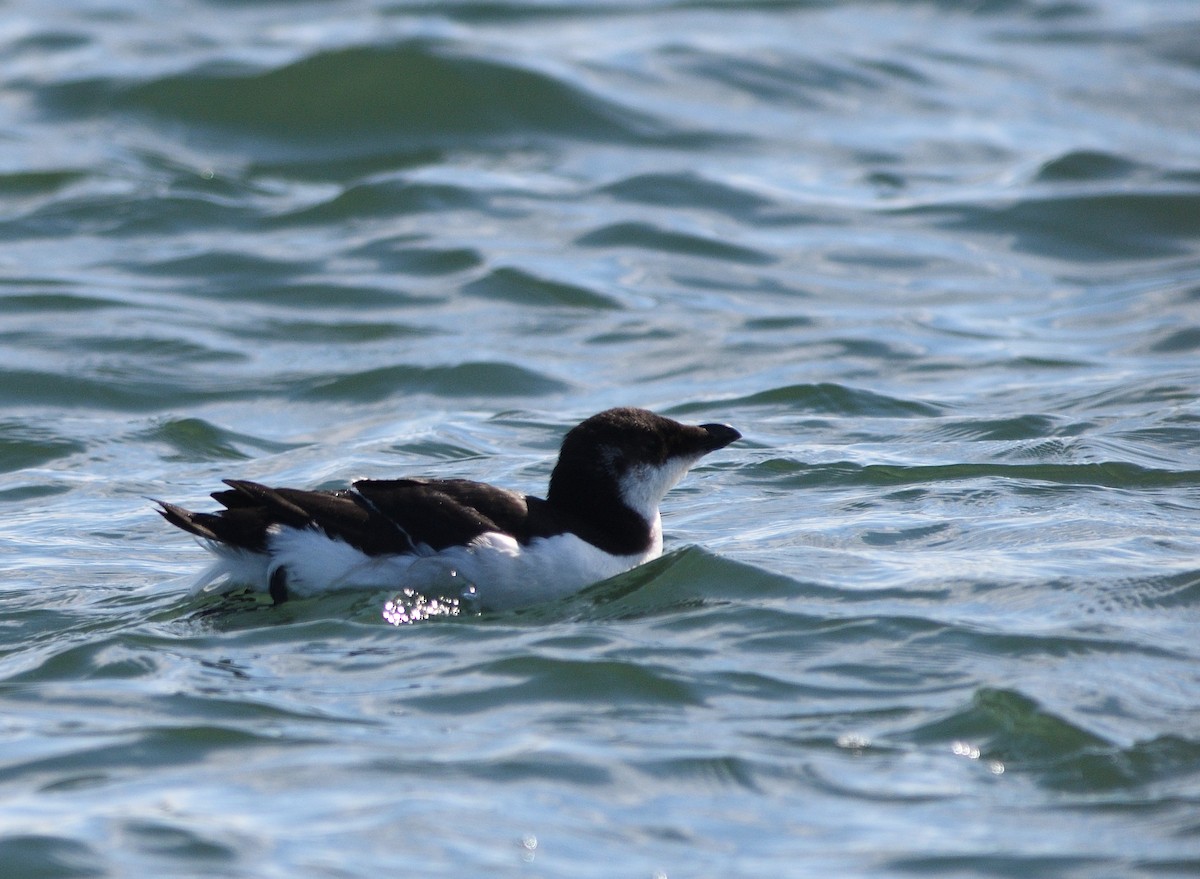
(1089, 227)
(127, 215)
(362, 99)
(1013, 731)
(835, 399)
(194, 439)
(402, 256)
(24, 445)
(224, 267)
(686, 577)
(308, 328)
(1177, 341)
(544, 678)
(45, 854)
(52, 301)
(482, 379)
(784, 78)
(1160, 591)
(1018, 427)
(687, 190)
(118, 389)
(20, 184)
(1109, 474)
(305, 297)
(524, 288)
(385, 198)
(708, 773)
(645, 236)
(234, 276)
(1086, 165)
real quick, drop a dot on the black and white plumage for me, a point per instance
(599, 518)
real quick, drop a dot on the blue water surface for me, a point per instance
(936, 614)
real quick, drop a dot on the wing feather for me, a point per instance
(446, 512)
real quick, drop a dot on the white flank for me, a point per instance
(507, 575)
(494, 572)
(233, 568)
(316, 563)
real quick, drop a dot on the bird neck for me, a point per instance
(602, 518)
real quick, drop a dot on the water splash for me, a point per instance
(411, 607)
(451, 598)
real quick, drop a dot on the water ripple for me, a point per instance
(380, 101)
(23, 445)
(837, 399)
(649, 237)
(194, 439)
(1013, 731)
(461, 380)
(1112, 474)
(938, 263)
(525, 288)
(1106, 226)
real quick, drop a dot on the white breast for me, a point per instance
(507, 575)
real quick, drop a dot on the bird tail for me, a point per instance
(239, 560)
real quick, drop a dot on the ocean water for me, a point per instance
(938, 614)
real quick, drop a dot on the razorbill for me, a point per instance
(458, 538)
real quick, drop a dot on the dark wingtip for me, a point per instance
(246, 487)
(181, 518)
(720, 435)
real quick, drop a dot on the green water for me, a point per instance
(937, 613)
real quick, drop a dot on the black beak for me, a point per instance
(719, 436)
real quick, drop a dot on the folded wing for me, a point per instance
(440, 513)
(379, 516)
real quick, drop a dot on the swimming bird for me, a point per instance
(499, 548)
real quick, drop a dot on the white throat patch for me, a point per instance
(643, 486)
